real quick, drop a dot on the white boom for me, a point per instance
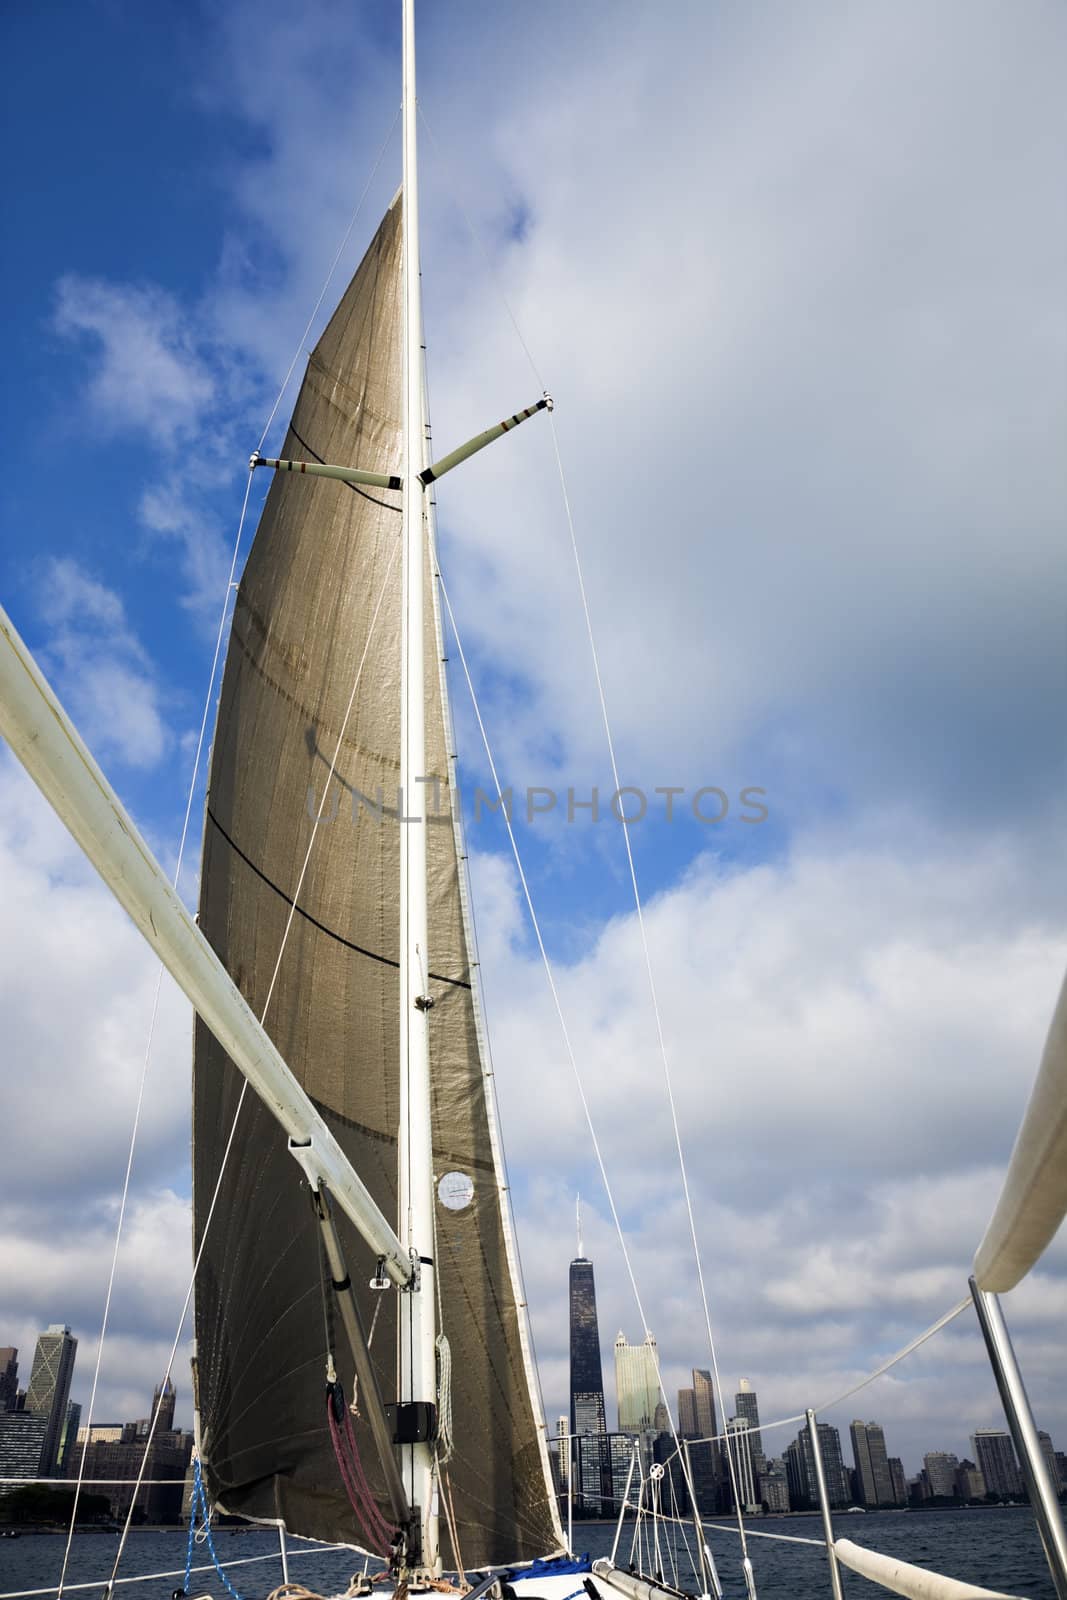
(45, 740)
(1033, 1200)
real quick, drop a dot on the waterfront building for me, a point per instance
(587, 1376)
(970, 1485)
(68, 1443)
(636, 1384)
(164, 1400)
(9, 1377)
(995, 1455)
(899, 1481)
(100, 1433)
(1050, 1458)
(774, 1486)
(940, 1467)
(167, 1459)
(704, 1399)
(49, 1388)
(22, 1441)
(800, 1469)
(563, 1446)
(602, 1465)
(873, 1479)
(746, 1405)
(743, 1480)
(687, 1415)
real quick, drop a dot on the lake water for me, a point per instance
(995, 1548)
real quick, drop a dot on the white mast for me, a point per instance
(418, 1376)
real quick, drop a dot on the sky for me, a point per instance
(794, 276)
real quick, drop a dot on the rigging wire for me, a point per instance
(649, 972)
(266, 1004)
(568, 1045)
(220, 633)
(626, 835)
(333, 267)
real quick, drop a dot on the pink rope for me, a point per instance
(378, 1531)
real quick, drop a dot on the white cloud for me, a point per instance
(147, 373)
(853, 1035)
(101, 669)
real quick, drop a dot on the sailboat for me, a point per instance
(364, 1371)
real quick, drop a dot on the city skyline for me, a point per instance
(42, 1439)
(111, 1452)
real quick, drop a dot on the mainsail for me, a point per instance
(324, 554)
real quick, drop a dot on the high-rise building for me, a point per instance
(746, 1405)
(9, 1377)
(800, 1469)
(587, 1376)
(563, 1429)
(941, 1468)
(636, 1384)
(592, 1486)
(704, 1397)
(22, 1438)
(970, 1485)
(995, 1455)
(742, 1479)
(873, 1478)
(774, 1486)
(163, 1401)
(69, 1438)
(899, 1481)
(49, 1390)
(1050, 1458)
(687, 1415)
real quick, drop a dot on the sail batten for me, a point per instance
(323, 559)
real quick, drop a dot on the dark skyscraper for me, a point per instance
(163, 1401)
(587, 1388)
(587, 1375)
(873, 1478)
(9, 1377)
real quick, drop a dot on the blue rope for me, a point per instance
(199, 1507)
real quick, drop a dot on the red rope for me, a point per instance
(378, 1532)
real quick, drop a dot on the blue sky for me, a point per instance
(795, 278)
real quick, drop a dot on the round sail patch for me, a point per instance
(456, 1191)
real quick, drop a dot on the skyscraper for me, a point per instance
(587, 1375)
(747, 1406)
(800, 1469)
(593, 1484)
(941, 1468)
(9, 1377)
(995, 1455)
(687, 1414)
(704, 1396)
(873, 1478)
(636, 1384)
(49, 1390)
(740, 1447)
(564, 1444)
(163, 1401)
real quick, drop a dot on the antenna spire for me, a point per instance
(578, 1217)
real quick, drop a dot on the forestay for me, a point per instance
(321, 560)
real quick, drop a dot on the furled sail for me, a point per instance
(324, 554)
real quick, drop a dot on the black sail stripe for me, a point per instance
(358, 949)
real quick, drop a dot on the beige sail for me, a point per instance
(324, 554)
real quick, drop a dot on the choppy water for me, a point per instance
(995, 1548)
